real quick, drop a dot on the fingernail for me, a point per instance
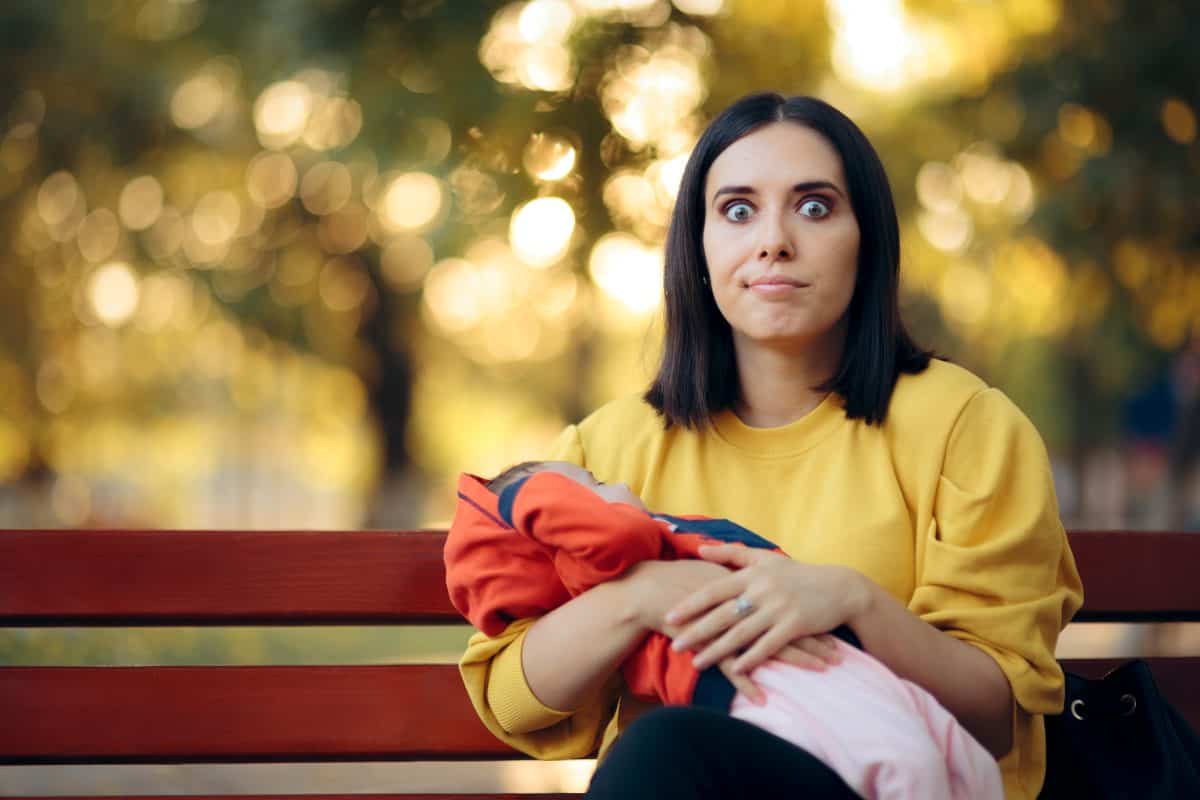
(677, 645)
(672, 617)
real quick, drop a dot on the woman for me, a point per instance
(914, 503)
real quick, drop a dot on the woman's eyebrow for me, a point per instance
(804, 186)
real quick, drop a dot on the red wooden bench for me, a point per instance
(231, 714)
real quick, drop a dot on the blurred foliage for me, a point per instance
(280, 263)
(236, 646)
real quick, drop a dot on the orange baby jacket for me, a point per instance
(547, 538)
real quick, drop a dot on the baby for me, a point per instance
(542, 532)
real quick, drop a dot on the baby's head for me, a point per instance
(612, 492)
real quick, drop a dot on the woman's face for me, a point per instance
(781, 239)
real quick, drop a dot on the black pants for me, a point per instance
(690, 752)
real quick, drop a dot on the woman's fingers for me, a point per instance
(810, 652)
(824, 647)
(797, 658)
(704, 599)
(719, 619)
(735, 556)
(763, 648)
(742, 683)
(734, 639)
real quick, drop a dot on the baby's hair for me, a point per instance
(513, 474)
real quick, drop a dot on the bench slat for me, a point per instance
(222, 577)
(1138, 575)
(248, 714)
(239, 714)
(374, 577)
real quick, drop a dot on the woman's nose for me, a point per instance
(775, 244)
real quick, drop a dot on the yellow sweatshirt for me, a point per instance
(948, 506)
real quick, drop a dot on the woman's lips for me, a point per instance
(775, 286)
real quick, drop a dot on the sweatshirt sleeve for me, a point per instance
(495, 680)
(567, 447)
(997, 571)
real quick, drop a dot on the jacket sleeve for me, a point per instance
(495, 680)
(494, 575)
(591, 541)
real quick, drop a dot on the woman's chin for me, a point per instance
(791, 339)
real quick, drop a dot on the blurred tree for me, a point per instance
(346, 179)
(1107, 126)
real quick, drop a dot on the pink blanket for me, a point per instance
(886, 737)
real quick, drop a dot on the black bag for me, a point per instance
(1119, 738)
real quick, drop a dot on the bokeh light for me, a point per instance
(271, 179)
(59, 199)
(113, 291)
(628, 271)
(216, 217)
(415, 200)
(334, 123)
(197, 101)
(541, 230)
(548, 157)
(411, 201)
(882, 50)
(344, 230)
(700, 8)
(949, 231)
(452, 294)
(1179, 120)
(141, 203)
(98, 235)
(526, 45)
(405, 261)
(281, 113)
(326, 187)
(343, 284)
(651, 96)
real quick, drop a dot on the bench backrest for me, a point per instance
(93, 715)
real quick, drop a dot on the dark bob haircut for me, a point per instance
(698, 374)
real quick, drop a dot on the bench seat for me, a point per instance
(403, 712)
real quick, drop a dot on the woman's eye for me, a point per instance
(738, 212)
(815, 208)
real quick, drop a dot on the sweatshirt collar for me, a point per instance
(784, 440)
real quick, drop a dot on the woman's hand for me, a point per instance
(791, 602)
(653, 587)
(809, 652)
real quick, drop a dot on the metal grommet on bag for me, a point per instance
(1078, 710)
(1129, 705)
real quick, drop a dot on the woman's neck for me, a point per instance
(777, 384)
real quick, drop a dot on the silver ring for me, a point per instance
(742, 606)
